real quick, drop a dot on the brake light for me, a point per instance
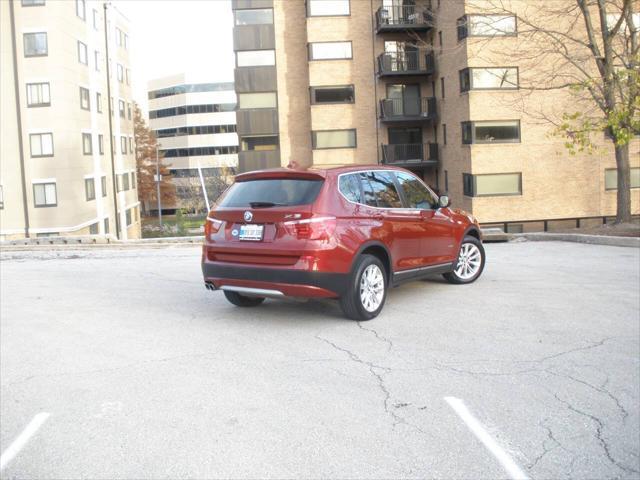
(211, 226)
(315, 228)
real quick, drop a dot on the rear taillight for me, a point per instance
(211, 226)
(315, 228)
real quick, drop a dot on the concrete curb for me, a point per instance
(90, 242)
(581, 238)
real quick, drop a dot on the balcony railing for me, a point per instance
(410, 154)
(406, 63)
(404, 109)
(403, 17)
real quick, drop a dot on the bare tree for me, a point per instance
(191, 196)
(586, 47)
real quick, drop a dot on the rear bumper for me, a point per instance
(290, 282)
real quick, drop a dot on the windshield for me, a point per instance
(271, 192)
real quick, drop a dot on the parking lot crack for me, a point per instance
(378, 373)
(599, 424)
(545, 449)
(388, 342)
(573, 350)
(623, 412)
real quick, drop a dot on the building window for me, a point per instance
(492, 185)
(123, 144)
(330, 51)
(99, 102)
(188, 109)
(257, 16)
(32, 3)
(81, 9)
(41, 144)
(106, 226)
(130, 144)
(259, 143)
(129, 111)
(195, 130)
(111, 105)
(333, 94)
(44, 194)
(128, 217)
(101, 144)
(38, 95)
(96, 59)
(96, 20)
(93, 229)
(501, 78)
(327, 8)
(85, 104)
(1, 198)
(507, 131)
(442, 87)
(125, 181)
(120, 72)
(103, 185)
(87, 148)
(322, 139)
(486, 26)
(121, 108)
(257, 100)
(444, 133)
(35, 44)
(90, 189)
(446, 181)
(255, 58)
(440, 40)
(133, 180)
(127, 74)
(611, 178)
(82, 53)
(200, 151)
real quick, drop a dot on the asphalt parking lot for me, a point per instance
(137, 371)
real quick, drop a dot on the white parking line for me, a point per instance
(514, 471)
(22, 439)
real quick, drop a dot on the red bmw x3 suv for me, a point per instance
(348, 233)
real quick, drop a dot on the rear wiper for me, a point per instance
(266, 204)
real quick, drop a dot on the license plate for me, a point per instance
(251, 232)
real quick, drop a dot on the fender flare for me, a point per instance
(372, 243)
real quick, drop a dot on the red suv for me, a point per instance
(347, 233)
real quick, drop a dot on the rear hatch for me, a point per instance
(264, 218)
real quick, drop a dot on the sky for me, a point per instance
(179, 36)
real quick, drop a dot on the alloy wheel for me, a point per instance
(371, 288)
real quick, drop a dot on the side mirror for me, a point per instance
(443, 201)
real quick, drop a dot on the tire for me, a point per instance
(242, 301)
(470, 249)
(368, 304)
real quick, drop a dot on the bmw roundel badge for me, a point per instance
(248, 216)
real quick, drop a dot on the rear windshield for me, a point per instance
(272, 192)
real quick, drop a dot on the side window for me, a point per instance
(369, 195)
(415, 193)
(384, 189)
(349, 185)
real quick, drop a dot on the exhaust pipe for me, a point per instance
(209, 286)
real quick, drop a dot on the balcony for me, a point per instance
(410, 155)
(407, 110)
(408, 18)
(406, 63)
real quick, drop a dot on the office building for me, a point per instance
(334, 82)
(195, 124)
(57, 136)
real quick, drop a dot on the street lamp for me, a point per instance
(158, 178)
